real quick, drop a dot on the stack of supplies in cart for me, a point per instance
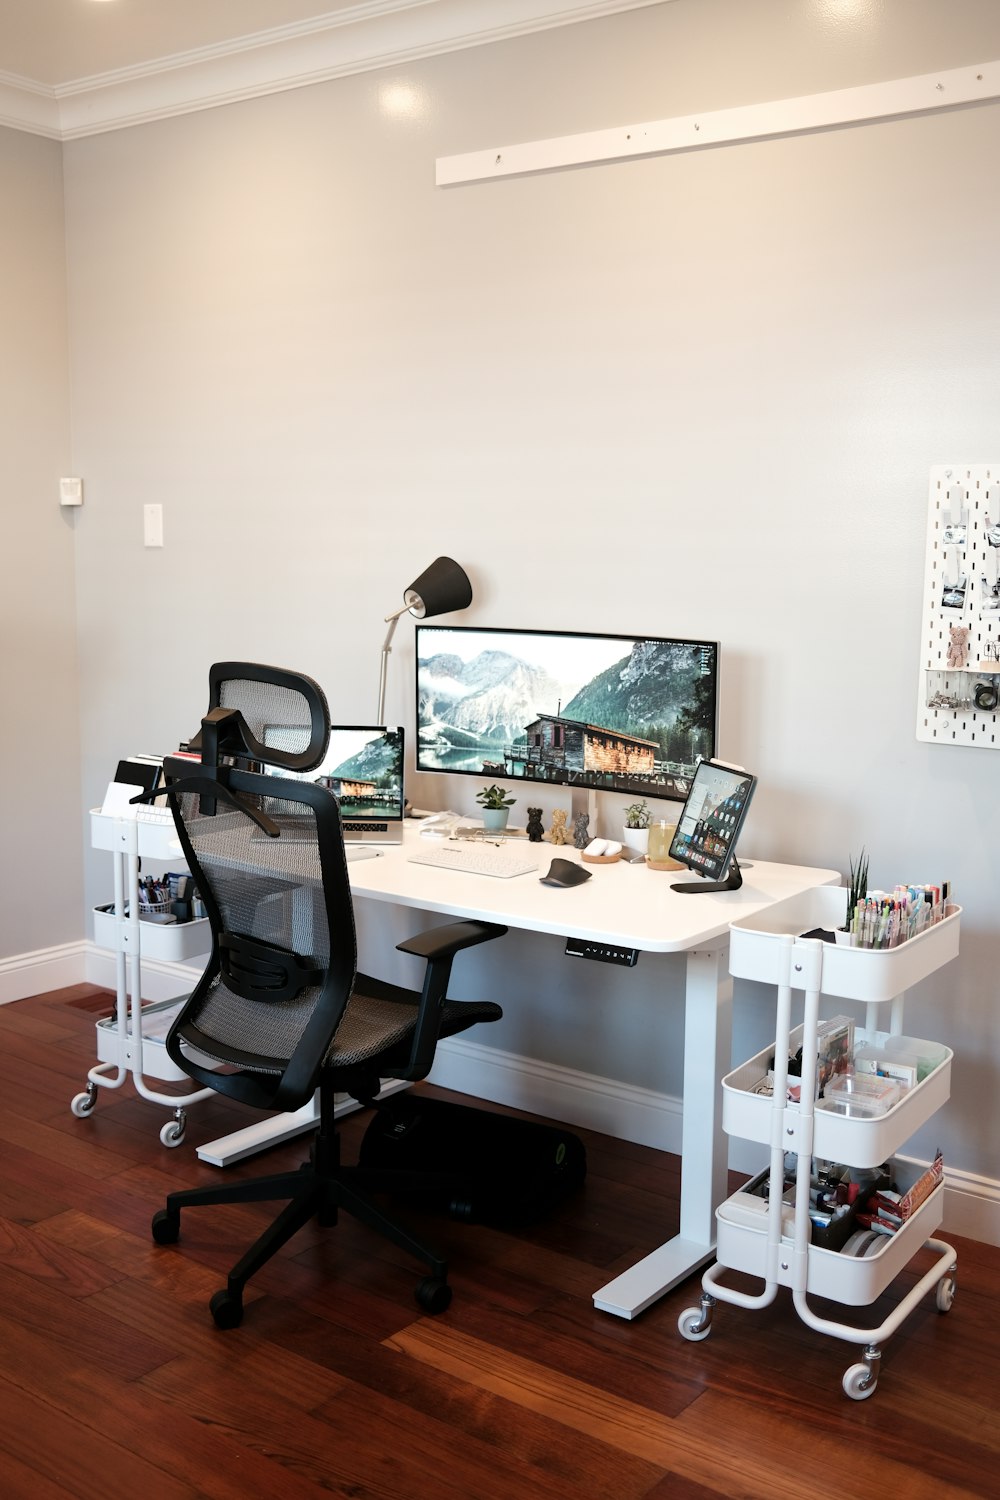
(851, 1210)
(834, 1053)
(884, 919)
(886, 1211)
(879, 1075)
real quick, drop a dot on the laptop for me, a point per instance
(363, 767)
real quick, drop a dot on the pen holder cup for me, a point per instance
(155, 908)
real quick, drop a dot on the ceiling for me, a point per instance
(55, 42)
(76, 67)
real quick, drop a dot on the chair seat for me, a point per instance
(374, 1024)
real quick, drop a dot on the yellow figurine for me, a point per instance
(557, 833)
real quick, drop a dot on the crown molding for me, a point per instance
(28, 106)
(372, 34)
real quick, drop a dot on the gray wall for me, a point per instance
(40, 755)
(697, 394)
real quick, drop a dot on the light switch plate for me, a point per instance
(152, 525)
(71, 492)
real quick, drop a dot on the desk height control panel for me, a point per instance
(604, 953)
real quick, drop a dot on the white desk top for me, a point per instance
(629, 906)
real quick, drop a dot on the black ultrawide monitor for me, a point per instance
(710, 824)
(632, 714)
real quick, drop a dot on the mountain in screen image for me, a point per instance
(377, 761)
(489, 698)
(658, 684)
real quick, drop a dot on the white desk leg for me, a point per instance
(269, 1131)
(272, 1130)
(704, 1152)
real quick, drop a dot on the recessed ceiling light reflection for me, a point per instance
(847, 10)
(401, 101)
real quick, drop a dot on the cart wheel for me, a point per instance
(173, 1132)
(226, 1308)
(83, 1104)
(945, 1293)
(693, 1325)
(859, 1382)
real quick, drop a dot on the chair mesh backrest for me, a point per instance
(272, 891)
(286, 713)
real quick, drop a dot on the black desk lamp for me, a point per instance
(440, 589)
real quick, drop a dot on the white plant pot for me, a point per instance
(636, 838)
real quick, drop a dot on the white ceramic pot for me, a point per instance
(636, 838)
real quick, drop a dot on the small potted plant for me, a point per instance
(495, 803)
(857, 891)
(635, 832)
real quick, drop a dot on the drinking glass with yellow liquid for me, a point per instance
(661, 836)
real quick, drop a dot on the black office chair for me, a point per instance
(280, 1010)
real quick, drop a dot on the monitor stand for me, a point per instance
(732, 882)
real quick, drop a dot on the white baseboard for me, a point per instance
(540, 1088)
(46, 969)
(972, 1203)
(161, 980)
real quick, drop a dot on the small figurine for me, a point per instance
(558, 833)
(581, 831)
(535, 830)
(958, 646)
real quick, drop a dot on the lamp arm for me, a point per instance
(392, 621)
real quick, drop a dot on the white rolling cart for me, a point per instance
(770, 1239)
(130, 1043)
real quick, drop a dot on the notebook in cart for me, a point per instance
(363, 767)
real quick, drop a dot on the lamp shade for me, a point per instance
(442, 587)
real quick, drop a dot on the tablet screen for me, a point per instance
(712, 818)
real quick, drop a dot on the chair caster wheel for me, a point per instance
(166, 1227)
(433, 1295)
(226, 1308)
(461, 1209)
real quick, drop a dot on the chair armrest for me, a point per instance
(445, 942)
(438, 946)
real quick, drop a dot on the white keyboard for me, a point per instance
(475, 858)
(157, 815)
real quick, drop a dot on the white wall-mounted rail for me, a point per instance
(957, 87)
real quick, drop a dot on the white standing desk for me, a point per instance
(628, 906)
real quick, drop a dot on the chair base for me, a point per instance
(319, 1190)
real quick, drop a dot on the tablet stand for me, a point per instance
(732, 882)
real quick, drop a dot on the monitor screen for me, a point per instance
(631, 714)
(710, 823)
(363, 766)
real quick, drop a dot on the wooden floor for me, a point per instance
(115, 1382)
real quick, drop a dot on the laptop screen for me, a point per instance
(363, 767)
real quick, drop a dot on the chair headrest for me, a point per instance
(266, 713)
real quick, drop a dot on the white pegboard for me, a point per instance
(961, 590)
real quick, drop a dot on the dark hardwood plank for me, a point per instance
(115, 1382)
